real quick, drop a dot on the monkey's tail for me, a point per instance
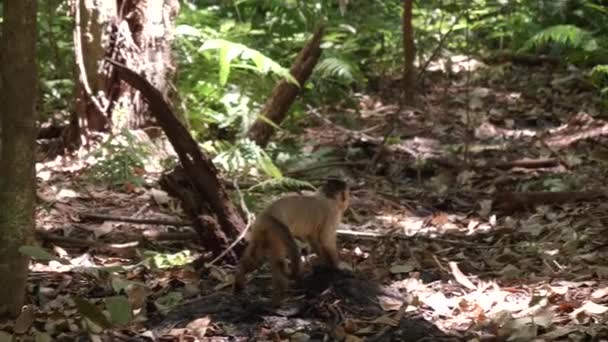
(292, 248)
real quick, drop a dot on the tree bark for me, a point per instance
(409, 51)
(18, 89)
(284, 93)
(139, 34)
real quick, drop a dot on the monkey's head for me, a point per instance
(337, 190)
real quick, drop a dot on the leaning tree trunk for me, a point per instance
(137, 33)
(196, 183)
(18, 89)
(284, 93)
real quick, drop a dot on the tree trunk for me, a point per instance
(409, 50)
(284, 93)
(18, 89)
(137, 33)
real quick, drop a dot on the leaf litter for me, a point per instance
(426, 253)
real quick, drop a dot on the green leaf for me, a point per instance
(41, 254)
(266, 164)
(566, 35)
(224, 64)
(170, 300)
(92, 312)
(119, 283)
(42, 337)
(120, 309)
(187, 30)
(4, 336)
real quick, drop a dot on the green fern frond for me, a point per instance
(338, 68)
(565, 35)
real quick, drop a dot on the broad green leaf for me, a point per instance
(187, 30)
(120, 309)
(40, 254)
(92, 312)
(224, 64)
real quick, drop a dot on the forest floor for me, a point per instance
(439, 246)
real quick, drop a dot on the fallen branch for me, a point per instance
(563, 140)
(146, 237)
(136, 220)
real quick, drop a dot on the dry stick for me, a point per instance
(359, 135)
(376, 156)
(398, 317)
(147, 236)
(136, 220)
(243, 233)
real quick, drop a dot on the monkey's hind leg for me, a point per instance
(279, 280)
(249, 262)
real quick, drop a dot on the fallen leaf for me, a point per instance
(402, 268)
(389, 303)
(25, 320)
(460, 277)
(199, 326)
(160, 197)
(600, 293)
(590, 308)
(6, 337)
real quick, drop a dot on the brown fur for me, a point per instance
(311, 218)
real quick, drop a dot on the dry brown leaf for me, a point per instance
(25, 320)
(389, 303)
(600, 293)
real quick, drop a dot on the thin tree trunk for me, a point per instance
(284, 93)
(409, 50)
(18, 89)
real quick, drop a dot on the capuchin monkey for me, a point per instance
(310, 218)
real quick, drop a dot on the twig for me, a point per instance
(136, 220)
(243, 233)
(371, 235)
(388, 133)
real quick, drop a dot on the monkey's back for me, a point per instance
(304, 215)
